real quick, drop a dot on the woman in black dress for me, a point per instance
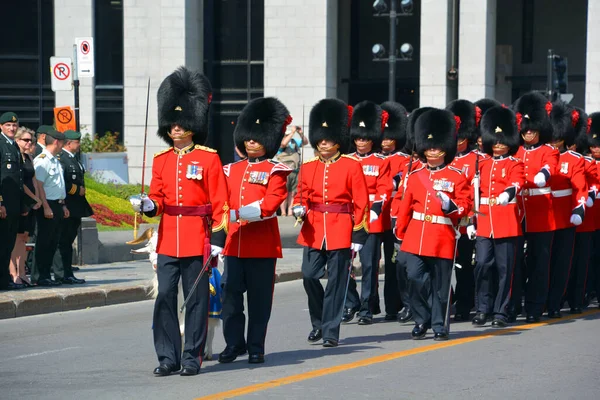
(25, 139)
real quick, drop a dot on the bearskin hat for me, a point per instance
(409, 146)
(330, 119)
(183, 99)
(499, 125)
(436, 129)
(263, 120)
(368, 122)
(593, 129)
(566, 123)
(395, 129)
(470, 116)
(532, 112)
(582, 138)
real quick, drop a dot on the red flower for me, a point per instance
(350, 111)
(574, 118)
(519, 119)
(384, 119)
(457, 120)
(477, 115)
(548, 108)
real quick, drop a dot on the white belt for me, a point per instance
(371, 197)
(434, 219)
(493, 201)
(536, 192)
(562, 193)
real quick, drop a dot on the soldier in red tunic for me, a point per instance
(569, 195)
(437, 197)
(499, 223)
(368, 122)
(333, 200)
(593, 136)
(541, 160)
(257, 187)
(484, 105)
(467, 160)
(189, 192)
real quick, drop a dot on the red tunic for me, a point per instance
(248, 182)
(339, 182)
(416, 164)
(569, 188)
(537, 202)
(591, 214)
(498, 175)
(376, 168)
(424, 228)
(398, 165)
(173, 186)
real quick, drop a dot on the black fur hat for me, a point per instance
(583, 138)
(395, 129)
(436, 129)
(566, 123)
(330, 120)
(499, 125)
(469, 115)
(486, 104)
(263, 120)
(409, 146)
(183, 99)
(368, 122)
(532, 111)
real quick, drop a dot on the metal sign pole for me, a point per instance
(78, 129)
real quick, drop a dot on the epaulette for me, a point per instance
(588, 158)
(549, 145)
(200, 147)
(42, 155)
(280, 167)
(310, 160)
(163, 152)
(378, 155)
(350, 156)
(574, 153)
(455, 169)
(514, 158)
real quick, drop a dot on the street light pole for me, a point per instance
(392, 50)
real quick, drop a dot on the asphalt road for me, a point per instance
(107, 353)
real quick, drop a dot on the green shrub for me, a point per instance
(113, 189)
(107, 143)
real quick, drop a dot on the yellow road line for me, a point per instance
(379, 359)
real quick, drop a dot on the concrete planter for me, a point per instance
(107, 167)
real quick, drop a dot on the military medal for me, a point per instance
(371, 170)
(262, 178)
(194, 172)
(564, 168)
(8, 166)
(443, 185)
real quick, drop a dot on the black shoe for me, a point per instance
(72, 281)
(230, 354)
(390, 317)
(365, 321)
(46, 282)
(532, 319)
(576, 310)
(256, 358)
(480, 319)
(164, 370)
(15, 286)
(440, 336)
(405, 316)
(498, 323)
(75, 268)
(554, 314)
(189, 371)
(315, 335)
(330, 343)
(348, 316)
(419, 332)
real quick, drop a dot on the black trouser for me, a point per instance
(167, 336)
(63, 264)
(494, 264)
(560, 265)
(325, 306)
(428, 285)
(402, 278)
(391, 287)
(579, 269)
(465, 281)
(516, 298)
(368, 303)
(49, 231)
(9, 227)
(256, 277)
(594, 270)
(539, 245)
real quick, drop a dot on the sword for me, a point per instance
(299, 219)
(135, 227)
(452, 279)
(202, 272)
(348, 280)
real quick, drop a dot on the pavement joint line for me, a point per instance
(287, 380)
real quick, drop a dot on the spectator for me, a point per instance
(289, 154)
(24, 139)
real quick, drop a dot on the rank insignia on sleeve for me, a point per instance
(465, 169)
(564, 168)
(194, 172)
(371, 170)
(262, 178)
(443, 185)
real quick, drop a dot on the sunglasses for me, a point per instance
(26, 140)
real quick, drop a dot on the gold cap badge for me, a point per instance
(498, 129)
(178, 108)
(430, 136)
(362, 124)
(324, 124)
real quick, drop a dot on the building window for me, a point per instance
(25, 61)
(233, 61)
(108, 42)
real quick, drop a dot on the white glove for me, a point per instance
(373, 216)
(356, 247)
(471, 232)
(215, 250)
(502, 199)
(589, 202)
(539, 179)
(140, 203)
(232, 216)
(299, 211)
(576, 219)
(445, 200)
(251, 212)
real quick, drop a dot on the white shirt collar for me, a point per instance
(69, 153)
(11, 141)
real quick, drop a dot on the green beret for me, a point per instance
(8, 117)
(72, 135)
(55, 134)
(44, 129)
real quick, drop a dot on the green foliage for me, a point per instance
(113, 189)
(107, 143)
